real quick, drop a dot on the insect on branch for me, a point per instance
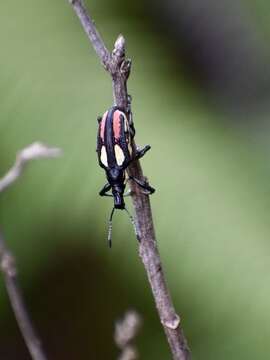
(119, 68)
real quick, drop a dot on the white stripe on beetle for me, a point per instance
(103, 156)
(119, 155)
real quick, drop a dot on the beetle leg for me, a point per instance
(141, 152)
(105, 189)
(144, 185)
(130, 117)
(129, 100)
(131, 124)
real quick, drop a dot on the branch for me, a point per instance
(34, 151)
(125, 332)
(119, 68)
(91, 32)
(8, 268)
(7, 261)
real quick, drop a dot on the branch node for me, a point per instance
(172, 324)
(125, 68)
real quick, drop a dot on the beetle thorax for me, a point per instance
(115, 176)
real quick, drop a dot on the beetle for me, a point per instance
(115, 153)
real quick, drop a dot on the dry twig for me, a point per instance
(7, 261)
(8, 268)
(126, 331)
(119, 68)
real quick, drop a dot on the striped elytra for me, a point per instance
(114, 140)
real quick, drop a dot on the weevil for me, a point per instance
(115, 153)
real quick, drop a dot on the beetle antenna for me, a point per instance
(134, 224)
(110, 228)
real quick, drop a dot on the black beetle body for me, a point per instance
(115, 153)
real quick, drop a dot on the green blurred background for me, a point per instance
(200, 85)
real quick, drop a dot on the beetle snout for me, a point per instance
(118, 201)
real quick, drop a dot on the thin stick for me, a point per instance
(119, 68)
(91, 32)
(8, 267)
(34, 151)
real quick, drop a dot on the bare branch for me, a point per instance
(126, 331)
(8, 268)
(91, 31)
(34, 151)
(119, 68)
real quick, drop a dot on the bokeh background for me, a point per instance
(200, 85)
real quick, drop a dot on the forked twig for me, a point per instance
(36, 150)
(119, 68)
